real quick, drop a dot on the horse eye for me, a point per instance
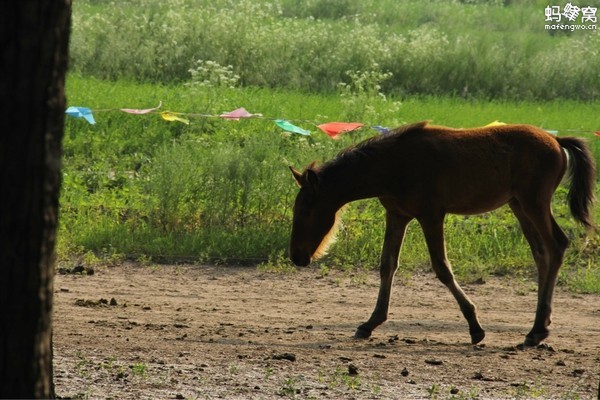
(304, 206)
(303, 211)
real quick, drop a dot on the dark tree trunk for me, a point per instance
(34, 36)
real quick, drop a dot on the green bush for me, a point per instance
(486, 49)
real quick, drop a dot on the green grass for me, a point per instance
(484, 49)
(138, 186)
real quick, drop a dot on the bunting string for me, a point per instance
(331, 129)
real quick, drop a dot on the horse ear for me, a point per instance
(311, 177)
(308, 177)
(297, 175)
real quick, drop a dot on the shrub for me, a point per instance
(490, 49)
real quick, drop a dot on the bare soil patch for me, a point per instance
(196, 332)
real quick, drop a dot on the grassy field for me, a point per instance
(215, 190)
(140, 187)
(480, 48)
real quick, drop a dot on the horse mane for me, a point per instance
(407, 128)
(366, 147)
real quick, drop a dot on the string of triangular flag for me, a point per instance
(332, 129)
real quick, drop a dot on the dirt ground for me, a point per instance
(205, 332)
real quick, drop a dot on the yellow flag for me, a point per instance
(170, 116)
(495, 123)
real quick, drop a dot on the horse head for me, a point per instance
(315, 219)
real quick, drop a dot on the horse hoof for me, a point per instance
(477, 337)
(531, 342)
(534, 339)
(362, 334)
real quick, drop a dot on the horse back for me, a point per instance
(476, 170)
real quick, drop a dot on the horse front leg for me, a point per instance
(433, 229)
(395, 228)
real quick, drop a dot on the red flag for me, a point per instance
(597, 133)
(334, 129)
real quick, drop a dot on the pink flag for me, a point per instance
(139, 112)
(334, 129)
(237, 114)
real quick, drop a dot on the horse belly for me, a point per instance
(476, 200)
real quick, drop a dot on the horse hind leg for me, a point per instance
(434, 236)
(395, 229)
(548, 244)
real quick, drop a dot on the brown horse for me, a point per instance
(424, 172)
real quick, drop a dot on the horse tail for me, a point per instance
(582, 174)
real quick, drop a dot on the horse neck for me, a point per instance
(346, 182)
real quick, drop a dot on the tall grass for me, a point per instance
(485, 49)
(216, 189)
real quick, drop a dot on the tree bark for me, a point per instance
(34, 37)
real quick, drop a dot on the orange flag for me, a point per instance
(334, 129)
